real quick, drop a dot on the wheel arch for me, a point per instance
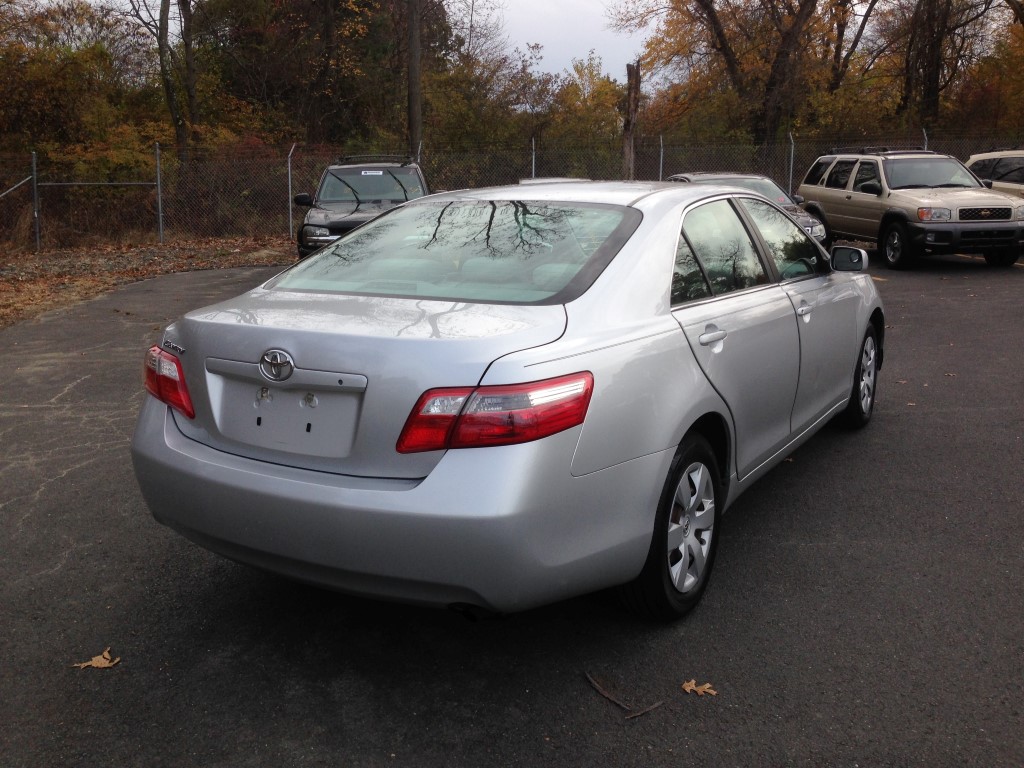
(888, 218)
(713, 428)
(877, 321)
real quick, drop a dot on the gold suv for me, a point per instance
(912, 203)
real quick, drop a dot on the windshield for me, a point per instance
(927, 172)
(363, 184)
(765, 187)
(502, 251)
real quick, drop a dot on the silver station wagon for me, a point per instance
(498, 398)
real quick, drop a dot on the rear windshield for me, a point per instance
(502, 251)
(361, 185)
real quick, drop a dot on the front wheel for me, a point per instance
(1004, 258)
(685, 538)
(895, 247)
(865, 383)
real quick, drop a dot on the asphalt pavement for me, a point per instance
(866, 607)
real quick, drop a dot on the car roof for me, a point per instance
(996, 153)
(367, 161)
(609, 192)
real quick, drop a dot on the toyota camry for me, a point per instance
(498, 398)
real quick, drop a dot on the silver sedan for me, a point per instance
(499, 398)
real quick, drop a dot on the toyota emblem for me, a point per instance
(276, 364)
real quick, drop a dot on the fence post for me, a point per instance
(291, 225)
(533, 158)
(159, 199)
(925, 132)
(792, 153)
(35, 200)
(661, 158)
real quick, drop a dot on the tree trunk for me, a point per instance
(415, 79)
(167, 79)
(629, 120)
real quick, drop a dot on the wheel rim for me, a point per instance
(893, 246)
(867, 374)
(691, 525)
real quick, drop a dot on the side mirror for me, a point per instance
(987, 183)
(846, 258)
(871, 188)
(798, 199)
(304, 198)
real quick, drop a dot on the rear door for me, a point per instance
(741, 327)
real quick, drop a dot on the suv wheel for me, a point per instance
(895, 246)
(1004, 258)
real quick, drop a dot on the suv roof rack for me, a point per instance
(403, 159)
(880, 151)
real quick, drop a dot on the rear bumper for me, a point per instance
(965, 237)
(503, 529)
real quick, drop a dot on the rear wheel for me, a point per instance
(896, 249)
(1004, 258)
(865, 382)
(685, 536)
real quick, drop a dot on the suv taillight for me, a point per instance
(165, 380)
(496, 415)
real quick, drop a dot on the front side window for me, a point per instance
(867, 172)
(723, 247)
(504, 251)
(794, 253)
(1009, 169)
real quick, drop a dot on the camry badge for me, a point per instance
(276, 364)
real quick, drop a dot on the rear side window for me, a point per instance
(499, 251)
(688, 281)
(840, 174)
(817, 171)
(723, 247)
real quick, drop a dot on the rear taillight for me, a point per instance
(496, 415)
(165, 380)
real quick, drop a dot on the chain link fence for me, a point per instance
(149, 197)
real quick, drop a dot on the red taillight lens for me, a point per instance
(496, 415)
(165, 380)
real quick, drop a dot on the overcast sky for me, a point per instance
(569, 29)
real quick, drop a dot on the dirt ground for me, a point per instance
(32, 283)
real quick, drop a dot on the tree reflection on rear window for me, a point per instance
(505, 251)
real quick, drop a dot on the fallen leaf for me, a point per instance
(911, 404)
(690, 686)
(901, 381)
(951, 375)
(102, 661)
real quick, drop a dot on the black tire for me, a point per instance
(673, 579)
(1004, 258)
(865, 383)
(895, 247)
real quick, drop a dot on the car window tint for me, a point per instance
(925, 172)
(867, 171)
(817, 171)
(504, 251)
(1009, 169)
(793, 252)
(688, 281)
(840, 174)
(723, 247)
(983, 168)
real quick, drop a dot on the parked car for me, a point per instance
(498, 398)
(912, 203)
(1002, 170)
(765, 186)
(353, 191)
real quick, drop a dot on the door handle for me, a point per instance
(711, 337)
(804, 309)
